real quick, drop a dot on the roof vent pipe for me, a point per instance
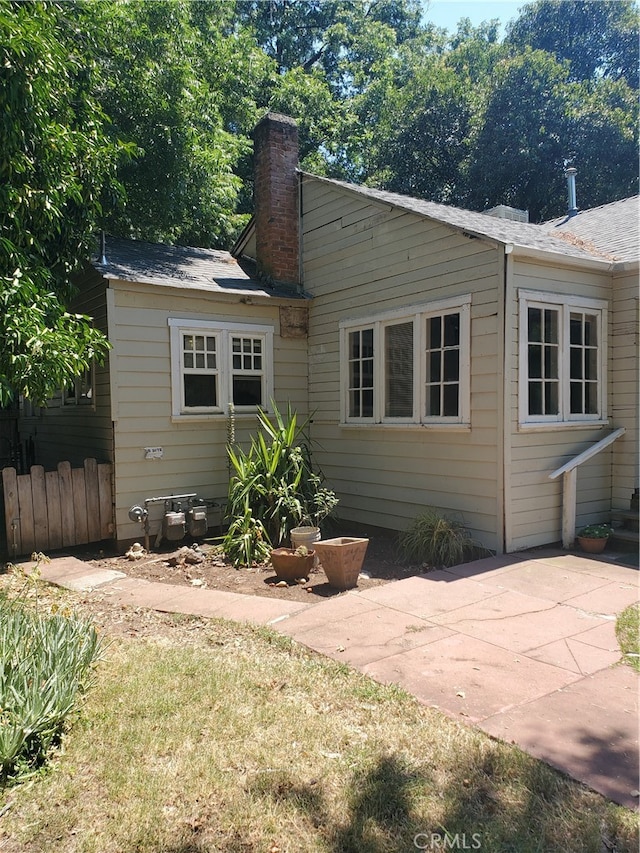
(570, 175)
(103, 249)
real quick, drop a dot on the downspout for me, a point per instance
(507, 379)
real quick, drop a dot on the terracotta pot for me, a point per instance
(342, 559)
(592, 546)
(290, 566)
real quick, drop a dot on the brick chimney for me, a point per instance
(276, 199)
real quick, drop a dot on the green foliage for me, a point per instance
(245, 542)
(55, 164)
(628, 634)
(45, 665)
(596, 531)
(273, 484)
(437, 540)
(598, 39)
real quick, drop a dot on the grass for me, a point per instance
(628, 634)
(241, 741)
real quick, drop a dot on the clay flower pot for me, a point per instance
(342, 559)
(594, 537)
(592, 546)
(289, 565)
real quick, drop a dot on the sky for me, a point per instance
(447, 13)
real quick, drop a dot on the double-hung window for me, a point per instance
(408, 367)
(562, 359)
(215, 364)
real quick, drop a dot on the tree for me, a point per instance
(172, 83)
(523, 138)
(56, 162)
(598, 39)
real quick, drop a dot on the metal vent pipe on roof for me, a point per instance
(570, 175)
(103, 249)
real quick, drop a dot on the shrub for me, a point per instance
(273, 487)
(435, 539)
(45, 663)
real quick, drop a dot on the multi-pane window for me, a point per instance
(199, 370)
(360, 383)
(442, 397)
(561, 358)
(214, 365)
(247, 369)
(80, 392)
(411, 368)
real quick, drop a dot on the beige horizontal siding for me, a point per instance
(194, 450)
(363, 259)
(534, 454)
(625, 392)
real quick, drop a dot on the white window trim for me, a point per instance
(542, 299)
(224, 331)
(418, 314)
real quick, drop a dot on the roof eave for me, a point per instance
(551, 257)
(247, 296)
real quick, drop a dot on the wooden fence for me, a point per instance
(45, 511)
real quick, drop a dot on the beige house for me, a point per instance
(463, 360)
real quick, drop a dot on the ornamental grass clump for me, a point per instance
(437, 540)
(45, 665)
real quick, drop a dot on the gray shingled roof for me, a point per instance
(613, 229)
(181, 266)
(562, 237)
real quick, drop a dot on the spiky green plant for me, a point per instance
(45, 664)
(276, 482)
(436, 539)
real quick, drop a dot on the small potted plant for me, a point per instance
(291, 564)
(594, 537)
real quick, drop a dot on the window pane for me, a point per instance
(450, 401)
(551, 326)
(576, 397)
(200, 389)
(399, 370)
(591, 364)
(433, 401)
(551, 402)
(535, 398)
(591, 398)
(247, 390)
(367, 343)
(575, 361)
(452, 330)
(535, 362)
(367, 403)
(575, 329)
(534, 332)
(354, 345)
(199, 360)
(434, 365)
(451, 365)
(188, 359)
(591, 330)
(434, 333)
(199, 342)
